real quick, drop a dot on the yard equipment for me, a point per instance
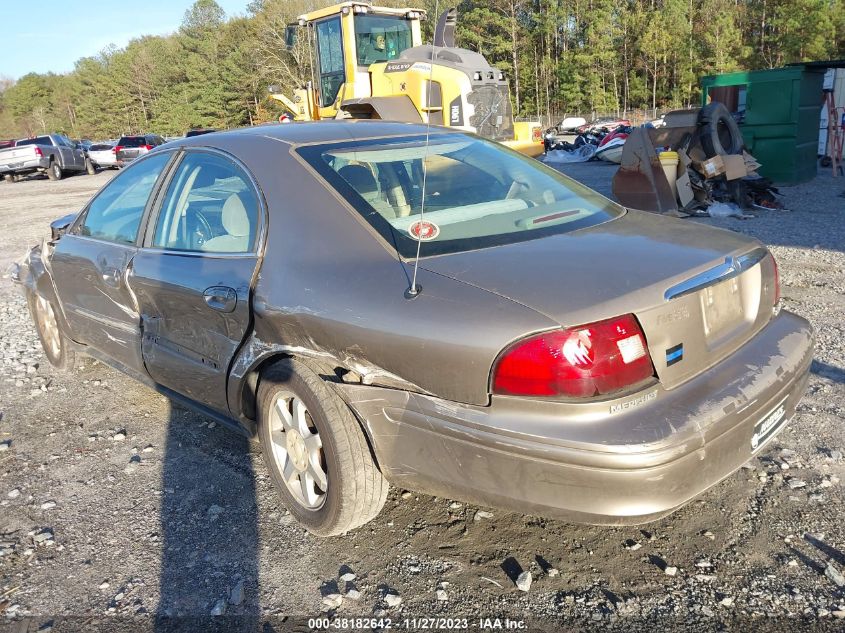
(369, 62)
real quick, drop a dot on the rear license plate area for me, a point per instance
(721, 306)
(768, 425)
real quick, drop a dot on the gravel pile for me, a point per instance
(114, 502)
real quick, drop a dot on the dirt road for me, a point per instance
(113, 502)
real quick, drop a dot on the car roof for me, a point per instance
(318, 132)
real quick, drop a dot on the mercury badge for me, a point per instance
(423, 230)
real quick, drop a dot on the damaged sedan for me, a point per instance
(381, 304)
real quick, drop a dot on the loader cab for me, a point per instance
(344, 40)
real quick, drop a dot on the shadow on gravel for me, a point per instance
(209, 529)
(831, 372)
(831, 552)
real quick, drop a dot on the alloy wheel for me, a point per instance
(298, 451)
(49, 326)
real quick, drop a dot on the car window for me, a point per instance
(379, 38)
(210, 206)
(477, 193)
(38, 140)
(332, 74)
(115, 214)
(131, 141)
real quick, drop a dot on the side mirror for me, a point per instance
(290, 36)
(59, 227)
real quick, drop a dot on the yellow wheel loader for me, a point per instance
(370, 62)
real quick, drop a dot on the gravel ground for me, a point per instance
(115, 502)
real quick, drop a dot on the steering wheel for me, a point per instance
(198, 228)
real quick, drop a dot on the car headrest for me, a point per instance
(235, 219)
(360, 178)
(208, 175)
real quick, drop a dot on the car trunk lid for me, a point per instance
(699, 293)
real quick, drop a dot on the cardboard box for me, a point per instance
(685, 193)
(734, 166)
(711, 167)
(751, 163)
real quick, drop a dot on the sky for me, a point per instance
(50, 35)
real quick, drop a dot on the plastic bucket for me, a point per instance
(669, 161)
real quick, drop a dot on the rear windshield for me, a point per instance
(477, 193)
(100, 147)
(132, 141)
(38, 140)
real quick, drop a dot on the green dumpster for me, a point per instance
(779, 116)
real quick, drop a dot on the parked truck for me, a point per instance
(51, 154)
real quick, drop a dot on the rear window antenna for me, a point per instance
(414, 290)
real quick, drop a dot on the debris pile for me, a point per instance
(695, 164)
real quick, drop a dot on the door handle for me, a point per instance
(221, 298)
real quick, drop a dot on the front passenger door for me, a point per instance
(193, 278)
(90, 264)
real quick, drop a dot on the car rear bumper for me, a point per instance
(103, 161)
(627, 461)
(25, 166)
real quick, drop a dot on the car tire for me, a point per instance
(56, 345)
(355, 488)
(54, 171)
(9, 177)
(90, 167)
(720, 133)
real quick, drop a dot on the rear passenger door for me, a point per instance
(194, 276)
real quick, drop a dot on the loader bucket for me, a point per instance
(640, 182)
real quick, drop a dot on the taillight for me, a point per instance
(595, 359)
(38, 151)
(147, 147)
(116, 149)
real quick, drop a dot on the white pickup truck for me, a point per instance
(52, 154)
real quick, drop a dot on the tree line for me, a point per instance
(562, 57)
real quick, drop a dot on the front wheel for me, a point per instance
(90, 167)
(9, 177)
(316, 452)
(56, 345)
(54, 171)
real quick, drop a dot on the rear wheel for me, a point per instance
(56, 345)
(316, 452)
(54, 171)
(90, 167)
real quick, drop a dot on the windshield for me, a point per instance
(477, 193)
(380, 38)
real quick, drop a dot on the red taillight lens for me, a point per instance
(38, 151)
(595, 359)
(147, 147)
(116, 149)
(777, 280)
